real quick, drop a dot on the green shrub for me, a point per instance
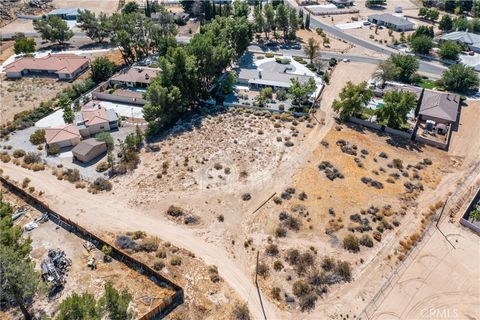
(366, 241)
(176, 261)
(158, 264)
(32, 157)
(105, 137)
(102, 166)
(19, 153)
(37, 137)
(350, 243)
(269, 55)
(53, 150)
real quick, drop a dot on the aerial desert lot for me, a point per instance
(206, 161)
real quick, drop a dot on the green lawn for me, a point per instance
(427, 84)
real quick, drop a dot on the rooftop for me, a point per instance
(58, 134)
(390, 86)
(390, 18)
(440, 105)
(65, 11)
(85, 146)
(92, 113)
(136, 74)
(58, 63)
(462, 36)
(255, 76)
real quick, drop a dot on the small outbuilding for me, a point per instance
(89, 149)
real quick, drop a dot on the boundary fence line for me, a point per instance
(370, 309)
(162, 308)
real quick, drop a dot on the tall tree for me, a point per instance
(312, 49)
(460, 78)
(446, 23)
(102, 69)
(353, 98)
(23, 44)
(95, 28)
(115, 304)
(449, 50)
(422, 44)
(397, 105)
(405, 66)
(240, 9)
(269, 19)
(386, 71)
(53, 28)
(292, 23)
(282, 19)
(301, 92)
(475, 8)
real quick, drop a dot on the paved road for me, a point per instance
(425, 67)
(431, 70)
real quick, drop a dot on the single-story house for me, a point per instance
(276, 80)
(439, 107)
(63, 66)
(472, 40)
(89, 149)
(93, 118)
(134, 76)
(391, 21)
(61, 137)
(183, 16)
(66, 13)
(392, 86)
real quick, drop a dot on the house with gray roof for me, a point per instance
(391, 21)
(439, 107)
(472, 40)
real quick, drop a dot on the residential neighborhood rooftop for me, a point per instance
(392, 19)
(277, 79)
(85, 146)
(390, 86)
(462, 36)
(56, 63)
(440, 105)
(58, 134)
(142, 75)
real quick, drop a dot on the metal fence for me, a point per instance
(162, 308)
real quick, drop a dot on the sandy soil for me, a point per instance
(80, 278)
(25, 94)
(335, 44)
(222, 243)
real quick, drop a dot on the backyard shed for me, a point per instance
(89, 149)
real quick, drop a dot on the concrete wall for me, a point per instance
(368, 124)
(65, 143)
(464, 220)
(403, 134)
(120, 99)
(436, 144)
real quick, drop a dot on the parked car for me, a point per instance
(366, 23)
(346, 60)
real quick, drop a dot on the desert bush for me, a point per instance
(397, 163)
(53, 150)
(427, 161)
(102, 166)
(71, 175)
(293, 256)
(300, 288)
(138, 235)
(158, 264)
(176, 261)
(277, 265)
(262, 269)
(149, 244)
(38, 137)
(241, 312)
(276, 293)
(5, 157)
(280, 232)
(25, 182)
(307, 302)
(220, 218)
(175, 211)
(272, 250)
(125, 242)
(217, 166)
(350, 242)
(366, 241)
(161, 254)
(328, 263)
(19, 153)
(344, 270)
(292, 223)
(246, 197)
(32, 157)
(101, 184)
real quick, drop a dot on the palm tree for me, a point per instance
(386, 71)
(397, 105)
(312, 49)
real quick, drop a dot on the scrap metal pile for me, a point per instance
(55, 268)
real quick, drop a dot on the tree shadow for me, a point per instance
(95, 45)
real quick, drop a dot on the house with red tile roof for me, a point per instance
(93, 118)
(64, 136)
(62, 66)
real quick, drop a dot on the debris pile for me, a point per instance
(55, 268)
